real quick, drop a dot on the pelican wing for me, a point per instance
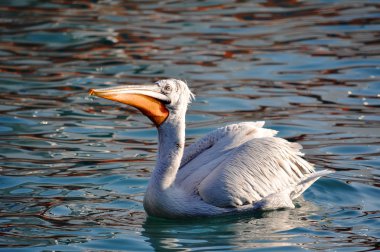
(241, 164)
(240, 132)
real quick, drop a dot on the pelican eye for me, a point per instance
(167, 88)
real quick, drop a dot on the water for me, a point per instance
(74, 169)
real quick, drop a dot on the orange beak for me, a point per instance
(147, 98)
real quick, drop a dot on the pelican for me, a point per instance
(234, 169)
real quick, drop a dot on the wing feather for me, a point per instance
(254, 170)
(240, 164)
(201, 157)
(246, 129)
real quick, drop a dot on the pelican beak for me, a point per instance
(146, 98)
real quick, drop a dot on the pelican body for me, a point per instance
(238, 168)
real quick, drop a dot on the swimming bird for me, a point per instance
(238, 168)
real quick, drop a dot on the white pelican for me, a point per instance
(237, 168)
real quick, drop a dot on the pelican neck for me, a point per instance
(171, 142)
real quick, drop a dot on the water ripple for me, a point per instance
(74, 169)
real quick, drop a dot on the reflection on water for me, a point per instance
(74, 170)
(257, 231)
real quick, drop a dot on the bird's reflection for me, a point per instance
(262, 229)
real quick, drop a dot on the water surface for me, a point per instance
(74, 169)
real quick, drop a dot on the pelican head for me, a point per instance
(156, 101)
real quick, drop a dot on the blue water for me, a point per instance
(74, 169)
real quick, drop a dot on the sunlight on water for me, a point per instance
(74, 169)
